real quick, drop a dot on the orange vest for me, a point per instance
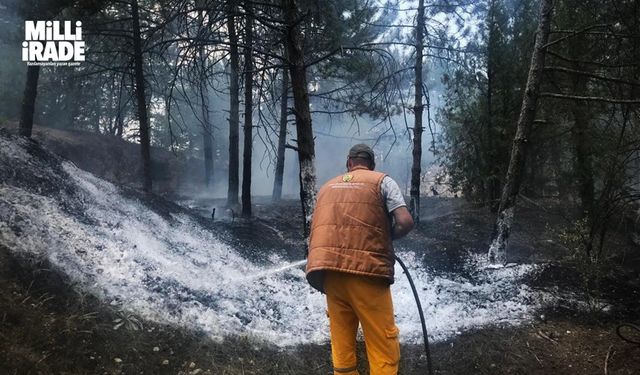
(350, 229)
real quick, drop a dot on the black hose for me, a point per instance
(626, 330)
(424, 325)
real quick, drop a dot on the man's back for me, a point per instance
(351, 260)
(350, 230)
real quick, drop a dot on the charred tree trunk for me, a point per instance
(491, 195)
(306, 148)
(282, 138)
(497, 250)
(634, 89)
(207, 129)
(491, 192)
(207, 141)
(143, 116)
(207, 137)
(418, 109)
(248, 114)
(121, 109)
(29, 101)
(234, 110)
(98, 115)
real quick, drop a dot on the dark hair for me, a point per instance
(362, 154)
(362, 161)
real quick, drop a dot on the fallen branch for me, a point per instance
(606, 360)
(591, 75)
(547, 337)
(589, 98)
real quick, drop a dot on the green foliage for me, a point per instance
(482, 101)
(592, 267)
(356, 73)
(575, 237)
(579, 150)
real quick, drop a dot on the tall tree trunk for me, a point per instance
(304, 129)
(498, 248)
(207, 129)
(143, 116)
(98, 113)
(29, 100)
(282, 138)
(636, 77)
(207, 136)
(120, 115)
(418, 109)
(489, 161)
(234, 109)
(248, 113)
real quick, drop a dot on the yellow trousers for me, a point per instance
(353, 299)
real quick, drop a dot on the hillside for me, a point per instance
(104, 156)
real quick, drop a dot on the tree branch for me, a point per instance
(589, 98)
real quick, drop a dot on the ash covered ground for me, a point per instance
(168, 263)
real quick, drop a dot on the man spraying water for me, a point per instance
(351, 260)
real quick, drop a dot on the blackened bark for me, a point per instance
(207, 141)
(304, 129)
(121, 109)
(143, 116)
(489, 163)
(207, 129)
(97, 116)
(497, 251)
(282, 138)
(418, 109)
(248, 113)
(29, 100)
(234, 110)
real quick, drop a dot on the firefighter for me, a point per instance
(357, 216)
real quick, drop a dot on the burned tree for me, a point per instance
(248, 113)
(143, 115)
(306, 148)
(35, 10)
(418, 109)
(234, 108)
(203, 91)
(282, 138)
(497, 250)
(29, 101)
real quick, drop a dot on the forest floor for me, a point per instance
(49, 326)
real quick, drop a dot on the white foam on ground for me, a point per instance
(174, 271)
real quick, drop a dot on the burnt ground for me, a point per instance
(49, 326)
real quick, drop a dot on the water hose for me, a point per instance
(626, 332)
(422, 321)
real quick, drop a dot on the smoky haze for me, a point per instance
(91, 110)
